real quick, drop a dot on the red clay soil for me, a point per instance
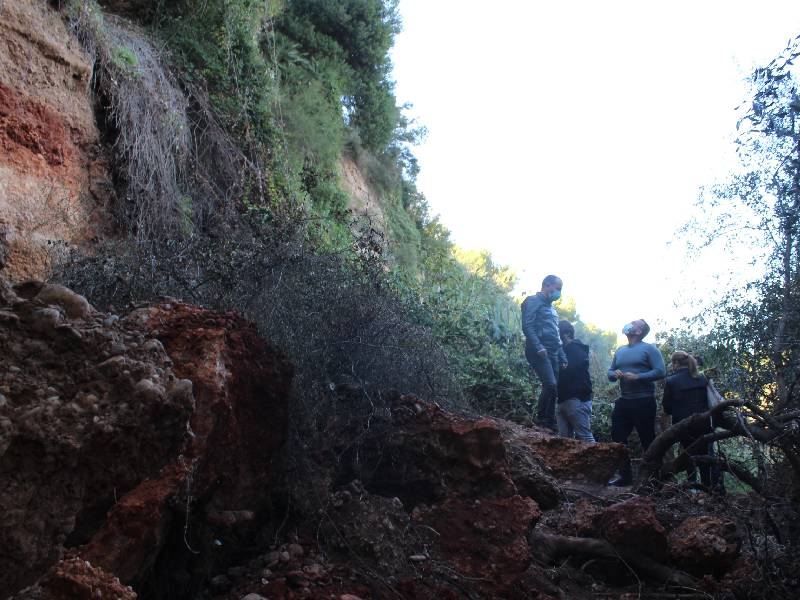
(705, 545)
(570, 458)
(95, 415)
(29, 128)
(241, 388)
(483, 538)
(633, 524)
(76, 579)
(146, 448)
(88, 409)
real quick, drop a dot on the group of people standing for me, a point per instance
(561, 363)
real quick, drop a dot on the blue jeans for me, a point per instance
(575, 419)
(546, 368)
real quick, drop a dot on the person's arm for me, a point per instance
(666, 400)
(562, 356)
(529, 309)
(657, 369)
(612, 370)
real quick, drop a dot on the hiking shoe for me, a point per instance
(620, 482)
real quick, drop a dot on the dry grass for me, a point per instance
(177, 169)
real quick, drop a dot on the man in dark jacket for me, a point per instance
(543, 345)
(574, 411)
(637, 366)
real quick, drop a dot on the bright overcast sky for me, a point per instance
(572, 137)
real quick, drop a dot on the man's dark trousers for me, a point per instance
(546, 368)
(630, 413)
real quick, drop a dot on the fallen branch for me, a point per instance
(548, 549)
(737, 471)
(695, 426)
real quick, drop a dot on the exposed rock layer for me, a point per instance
(54, 178)
(95, 415)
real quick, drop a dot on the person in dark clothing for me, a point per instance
(574, 410)
(685, 395)
(637, 366)
(543, 346)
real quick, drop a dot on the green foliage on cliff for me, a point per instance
(276, 94)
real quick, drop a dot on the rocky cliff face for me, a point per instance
(54, 179)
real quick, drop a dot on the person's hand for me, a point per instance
(563, 365)
(618, 374)
(542, 352)
(630, 376)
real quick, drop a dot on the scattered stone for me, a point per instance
(295, 550)
(417, 558)
(314, 570)
(236, 572)
(153, 345)
(253, 597)
(149, 392)
(297, 579)
(221, 583)
(633, 525)
(45, 320)
(705, 545)
(74, 305)
(8, 317)
(272, 558)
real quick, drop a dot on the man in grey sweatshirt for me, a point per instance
(637, 366)
(543, 346)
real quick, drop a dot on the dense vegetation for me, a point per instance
(750, 337)
(234, 191)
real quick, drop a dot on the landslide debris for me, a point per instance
(145, 457)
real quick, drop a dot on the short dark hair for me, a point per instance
(550, 280)
(565, 327)
(645, 328)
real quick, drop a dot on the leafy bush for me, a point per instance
(353, 37)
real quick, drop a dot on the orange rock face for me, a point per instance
(54, 180)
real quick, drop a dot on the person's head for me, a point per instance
(684, 360)
(551, 287)
(636, 330)
(566, 331)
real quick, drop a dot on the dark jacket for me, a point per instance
(574, 380)
(684, 395)
(540, 326)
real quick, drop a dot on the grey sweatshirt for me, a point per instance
(540, 326)
(643, 359)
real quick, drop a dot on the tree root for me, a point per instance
(549, 548)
